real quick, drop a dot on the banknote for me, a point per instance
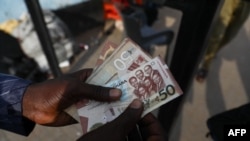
(107, 49)
(125, 58)
(151, 82)
(135, 59)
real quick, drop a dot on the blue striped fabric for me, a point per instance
(11, 93)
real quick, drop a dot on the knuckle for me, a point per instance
(100, 93)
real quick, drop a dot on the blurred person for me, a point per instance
(232, 16)
(24, 104)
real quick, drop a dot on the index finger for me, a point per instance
(82, 75)
(151, 129)
(76, 89)
(94, 92)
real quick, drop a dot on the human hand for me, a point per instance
(119, 129)
(44, 103)
(150, 129)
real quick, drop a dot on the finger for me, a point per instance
(122, 125)
(84, 90)
(82, 75)
(128, 119)
(62, 119)
(151, 129)
(99, 93)
(78, 91)
(134, 134)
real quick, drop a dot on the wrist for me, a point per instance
(27, 107)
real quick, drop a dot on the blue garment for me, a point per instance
(11, 93)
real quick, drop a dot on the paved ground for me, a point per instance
(226, 87)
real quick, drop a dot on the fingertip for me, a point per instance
(128, 119)
(150, 116)
(115, 94)
(136, 104)
(148, 119)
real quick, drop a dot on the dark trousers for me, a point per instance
(237, 116)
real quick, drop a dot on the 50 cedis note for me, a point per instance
(152, 83)
(125, 58)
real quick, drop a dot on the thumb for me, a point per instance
(128, 119)
(120, 127)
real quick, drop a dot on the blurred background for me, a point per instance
(43, 39)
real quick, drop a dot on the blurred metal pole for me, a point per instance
(43, 35)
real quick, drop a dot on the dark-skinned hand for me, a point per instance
(44, 103)
(121, 128)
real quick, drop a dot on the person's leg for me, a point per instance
(240, 15)
(219, 32)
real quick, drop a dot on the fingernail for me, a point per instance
(136, 104)
(115, 93)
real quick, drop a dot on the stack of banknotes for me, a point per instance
(139, 76)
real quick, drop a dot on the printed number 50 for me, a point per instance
(168, 90)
